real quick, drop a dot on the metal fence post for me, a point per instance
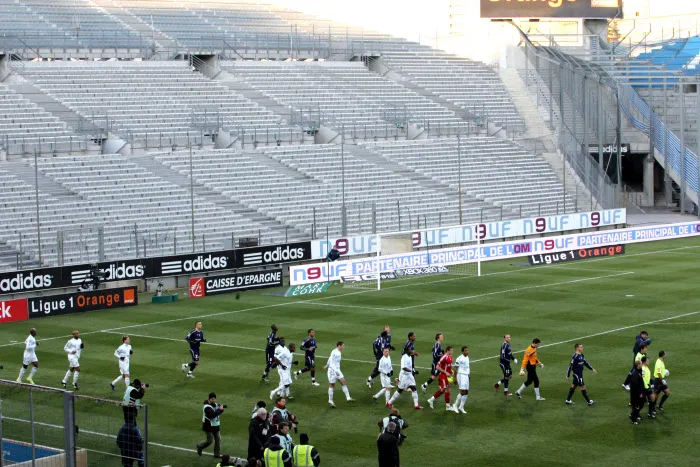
(145, 435)
(31, 424)
(100, 243)
(136, 238)
(69, 431)
(59, 247)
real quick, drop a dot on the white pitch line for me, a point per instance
(263, 307)
(97, 433)
(517, 289)
(240, 347)
(658, 321)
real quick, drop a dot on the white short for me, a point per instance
(73, 361)
(29, 358)
(124, 367)
(386, 381)
(334, 376)
(463, 382)
(285, 376)
(406, 381)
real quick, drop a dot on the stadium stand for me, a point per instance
(155, 104)
(398, 103)
(493, 170)
(345, 93)
(25, 128)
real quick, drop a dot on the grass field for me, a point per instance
(601, 303)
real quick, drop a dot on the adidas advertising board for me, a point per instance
(32, 280)
(273, 254)
(193, 263)
(229, 283)
(64, 304)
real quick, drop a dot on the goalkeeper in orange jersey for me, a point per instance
(529, 365)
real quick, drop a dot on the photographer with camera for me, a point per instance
(211, 425)
(394, 417)
(132, 399)
(388, 446)
(281, 414)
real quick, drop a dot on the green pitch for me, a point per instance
(601, 303)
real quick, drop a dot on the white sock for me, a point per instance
(381, 391)
(76, 375)
(33, 372)
(394, 397)
(330, 395)
(463, 401)
(21, 373)
(537, 392)
(65, 378)
(432, 399)
(119, 378)
(127, 381)
(522, 388)
(415, 398)
(387, 395)
(498, 383)
(346, 391)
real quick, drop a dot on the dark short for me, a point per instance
(309, 361)
(659, 386)
(506, 369)
(269, 356)
(434, 371)
(195, 354)
(577, 380)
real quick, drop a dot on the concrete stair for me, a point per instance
(540, 139)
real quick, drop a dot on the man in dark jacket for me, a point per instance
(333, 254)
(388, 446)
(258, 434)
(130, 444)
(637, 392)
(211, 425)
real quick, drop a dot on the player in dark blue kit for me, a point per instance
(437, 355)
(272, 343)
(308, 345)
(195, 337)
(506, 357)
(383, 341)
(578, 362)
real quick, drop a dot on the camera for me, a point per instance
(225, 406)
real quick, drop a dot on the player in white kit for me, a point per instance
(123, 354)
(334, 374)
(386, 372)
(407, 382)
(283, 359)
(30, 344)
(73, 348)
(461, 368)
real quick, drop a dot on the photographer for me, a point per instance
(281, 414)
(130, 444)
(132, 399)
(388, 446)
(211, 425)
(394, 417)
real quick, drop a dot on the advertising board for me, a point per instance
(229, 283)
(65, 304)
(590, 9)
(498, 230)
(321, 272)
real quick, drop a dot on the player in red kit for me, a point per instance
(444, 368)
